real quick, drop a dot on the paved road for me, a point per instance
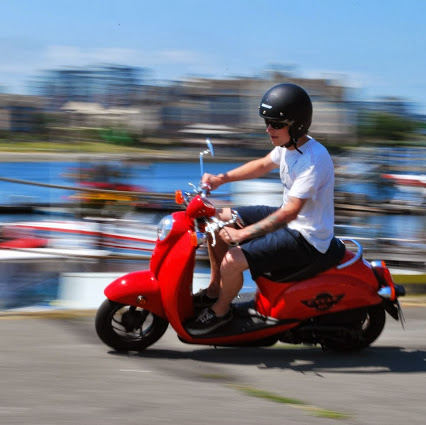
(55, 371)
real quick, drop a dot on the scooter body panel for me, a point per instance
(172, 263)
(327, 292)
(164, 248)
(176, 278)
(240, 333)
(139, 289)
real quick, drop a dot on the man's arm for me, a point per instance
(250, 170)
(277, 219)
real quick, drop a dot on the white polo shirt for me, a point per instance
(309, 176)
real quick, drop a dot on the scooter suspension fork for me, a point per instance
(133, 319)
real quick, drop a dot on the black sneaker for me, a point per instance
(207, 321)
(202, 300)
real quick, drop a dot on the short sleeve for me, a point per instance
(276, 155)
(306, 183)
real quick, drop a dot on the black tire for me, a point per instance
(127, 328)
(371, 327)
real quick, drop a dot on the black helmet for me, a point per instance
(290, 103)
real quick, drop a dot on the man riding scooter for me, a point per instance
(270, 239)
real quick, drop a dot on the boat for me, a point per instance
(121, 238)
(23, 242)
(407, 182)
(107, 190)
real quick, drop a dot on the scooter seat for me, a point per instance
(320, 263)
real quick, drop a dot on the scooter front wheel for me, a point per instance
(127, 328)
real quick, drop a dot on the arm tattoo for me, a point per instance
(267, 225)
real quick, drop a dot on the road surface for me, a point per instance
(55, 371)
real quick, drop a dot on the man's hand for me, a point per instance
(231, 236)
(281, 217)
(212, 180)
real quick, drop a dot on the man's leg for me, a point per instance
(231, 270)
(216, 255)
(219, 314)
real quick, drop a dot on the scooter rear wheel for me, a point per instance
(368, 330)
(126, 328)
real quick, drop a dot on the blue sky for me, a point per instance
(376, 47)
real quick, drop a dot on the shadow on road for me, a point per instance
(377, 359)
(374, 360)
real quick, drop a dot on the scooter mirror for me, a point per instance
(210, 146)
(209, 150)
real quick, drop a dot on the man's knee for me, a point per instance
(234, 261)
(224, 214)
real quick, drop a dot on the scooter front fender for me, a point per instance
(140, 289)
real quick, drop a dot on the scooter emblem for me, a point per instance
(323, 301)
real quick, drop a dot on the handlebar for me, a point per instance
(204, 189)
(214, 225)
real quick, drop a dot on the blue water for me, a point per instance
(166, 177)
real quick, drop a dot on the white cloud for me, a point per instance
(178, 57)
(349, 79)
(25, 60)
(63, 55)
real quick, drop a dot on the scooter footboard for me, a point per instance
(140, 289)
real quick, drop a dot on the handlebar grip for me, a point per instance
(205, 189)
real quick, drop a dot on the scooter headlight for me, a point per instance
(164, 227)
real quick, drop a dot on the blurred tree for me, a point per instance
(41, 123)
(385, 126)
(117, 136)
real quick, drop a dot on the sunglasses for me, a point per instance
(276, 125)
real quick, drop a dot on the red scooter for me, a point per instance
(342, 308)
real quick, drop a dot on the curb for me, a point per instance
(414, 284)
(51, 313)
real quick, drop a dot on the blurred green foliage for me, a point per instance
(385, 126)
(117, 136)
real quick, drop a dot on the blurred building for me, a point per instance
(110, 86)
(20, 113)
(187, 110)
(231, 106)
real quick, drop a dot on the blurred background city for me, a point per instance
(73, 130)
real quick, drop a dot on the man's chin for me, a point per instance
(276, 141)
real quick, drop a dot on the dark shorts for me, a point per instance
(284, 251)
